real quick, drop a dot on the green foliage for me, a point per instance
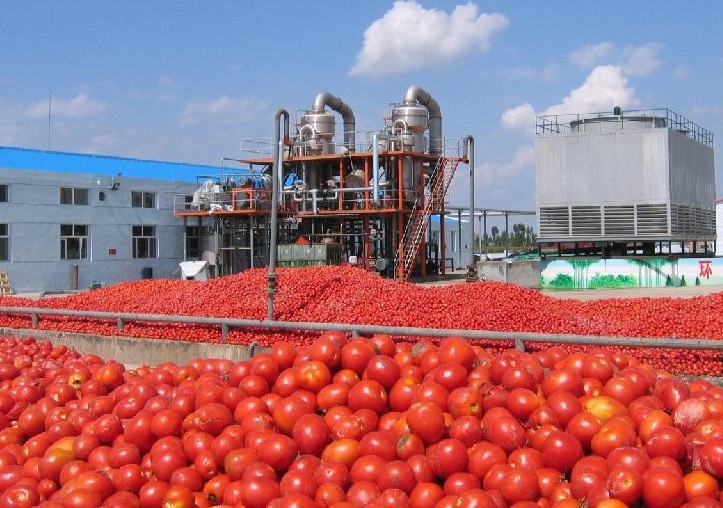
(612, 281)
(562, 281)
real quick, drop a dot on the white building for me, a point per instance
(64, 229)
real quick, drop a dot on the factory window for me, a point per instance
(4, 243)
(144, 241)
(73, 241)
(193, 242)
(3, 193)
(143, 199)
(73, 196)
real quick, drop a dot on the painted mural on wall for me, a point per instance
(640, 272)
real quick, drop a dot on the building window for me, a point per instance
(73, 196)
(73, 241)
(144, 241)
(4, 242)
(193, 242)
(143, 199)
(3, 193)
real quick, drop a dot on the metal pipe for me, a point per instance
(347, 115)
(375, 167)
(647, 342)
(469, 157)
(418, 94)
(277, 163)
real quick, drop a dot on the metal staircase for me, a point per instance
(421, 212)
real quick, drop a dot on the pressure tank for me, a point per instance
(316, 130)
(415, 116)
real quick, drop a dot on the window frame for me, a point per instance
(78, 233)
(143, 199)
(4, 241)
(73, 196)
(144, 241)
(193, 242)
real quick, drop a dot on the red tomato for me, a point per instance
(311, 434)
(426, 420)
(447, 456)
(663, 488)
(383, 369)
(561, 451)
(369, 394)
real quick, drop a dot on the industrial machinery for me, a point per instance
(633, 183)
(365, 201)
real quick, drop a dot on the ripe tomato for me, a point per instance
(426, 420)
(663, 488)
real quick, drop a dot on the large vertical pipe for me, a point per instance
(277, 160)
(469, 156)
(375, 168)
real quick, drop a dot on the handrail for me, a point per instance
(519, 338)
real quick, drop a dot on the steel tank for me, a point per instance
(316, 132)
(416, 119)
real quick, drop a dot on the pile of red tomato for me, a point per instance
(356, 422)
(337, 294)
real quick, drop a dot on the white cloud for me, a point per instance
(634, 60)
(591, 55)
(411, 37)
(224, 108)
(521, 117)
(80, 106)
(604, 88)
(523, 158)
(641, 60)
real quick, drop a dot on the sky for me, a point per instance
(192, 82)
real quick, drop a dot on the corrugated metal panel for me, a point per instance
(607, 168)
(628, 185)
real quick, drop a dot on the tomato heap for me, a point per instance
(338, 294)
(356, 422)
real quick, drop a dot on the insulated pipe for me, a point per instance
(469, 157)
(325, 98)
(375, 167)
(418, 94)
(277, 161)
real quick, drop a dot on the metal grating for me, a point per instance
(652, 219)
(586, 221)
(554, 221)
(619, 220)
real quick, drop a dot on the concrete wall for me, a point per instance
(523, 272)
(133, 351)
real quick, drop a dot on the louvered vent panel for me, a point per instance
(652, 219)
(619, 220)
(554, 221)
(586, 221)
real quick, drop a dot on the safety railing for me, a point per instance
(519, 339)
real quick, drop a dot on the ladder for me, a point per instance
(5, 288)
(421, 212)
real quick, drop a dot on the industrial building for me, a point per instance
(633, 183)
(365, 198)
(63, 228)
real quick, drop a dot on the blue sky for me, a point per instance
(187, 81)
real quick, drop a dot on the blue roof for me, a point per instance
(448, 218)
(26, 158)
